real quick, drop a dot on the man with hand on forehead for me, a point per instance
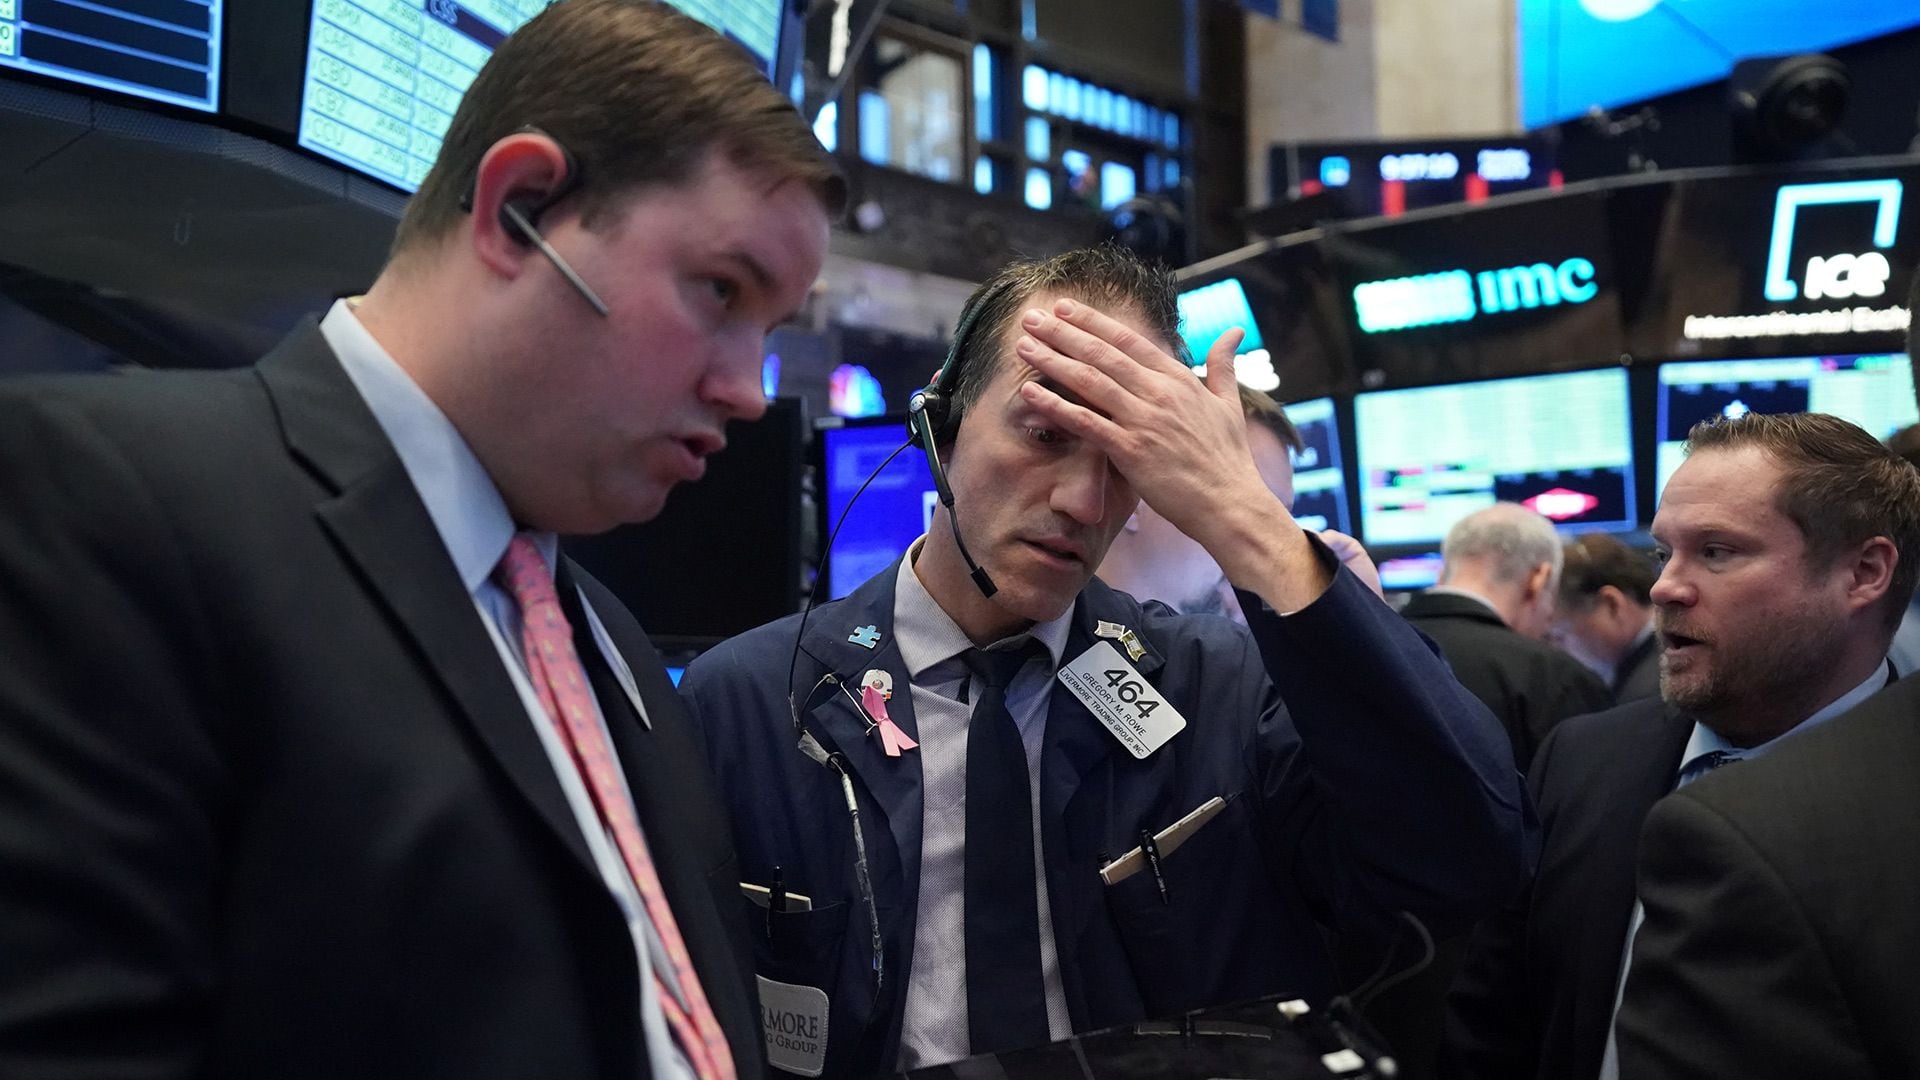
(1074, 810)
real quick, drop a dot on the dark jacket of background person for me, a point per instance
(321, 837)
(1638, 675)
(1536, 995)
(1530, 686)
(1782, 932)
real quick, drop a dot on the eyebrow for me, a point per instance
(755, 268)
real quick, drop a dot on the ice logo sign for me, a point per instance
(1841, 275)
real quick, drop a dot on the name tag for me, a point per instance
(795, 1018)
(1122, 699)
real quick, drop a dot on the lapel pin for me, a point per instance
(876, 688)
(866, 637)
(1135, 650)
(1107, 629)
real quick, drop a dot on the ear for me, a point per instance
(524, 165)
(1612, 599)
(1538, 580)
(1870, 574)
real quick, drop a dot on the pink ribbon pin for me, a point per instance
(892, 738)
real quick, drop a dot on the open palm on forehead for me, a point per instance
(1181, 442)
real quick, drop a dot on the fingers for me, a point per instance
(1076, 420)
(1221, 377)
(1094, 337)
(1086, 382)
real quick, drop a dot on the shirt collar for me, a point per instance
(926, 635)
(466, 508)
(1454, 590)
(1705, 740)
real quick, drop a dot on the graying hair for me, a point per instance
(1512, 538)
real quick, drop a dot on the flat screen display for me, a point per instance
(1560, 444)
(1212, 310)
(384, 76)
(161, 50)
(1319, 481)
(888, 517)
(1874, 391)
(1575, 54)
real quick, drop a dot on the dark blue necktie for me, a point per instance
(1006, 998)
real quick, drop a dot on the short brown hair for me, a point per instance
(1840, 487)
(1107, 277)
(638, 93)
(1268, 413)
(1595, 560)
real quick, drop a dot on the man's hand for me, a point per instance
(1181, 442)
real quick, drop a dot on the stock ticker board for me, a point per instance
(385, 76)
(161, 50)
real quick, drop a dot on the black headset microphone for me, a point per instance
(520, 217)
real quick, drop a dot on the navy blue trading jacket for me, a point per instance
(1363, 780)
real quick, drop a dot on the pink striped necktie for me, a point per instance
(554, 669)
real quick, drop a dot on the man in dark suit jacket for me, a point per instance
(1781, 938)
(1605, 615)
(1783, 541)
(283, 792)
(1501, 568)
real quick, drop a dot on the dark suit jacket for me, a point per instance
(1638, 674)
(271, 805)
(1782, 932)
(1529, 686)
(1536, 995)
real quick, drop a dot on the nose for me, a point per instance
(1671, 587)
(733, 383)
(1081, 488)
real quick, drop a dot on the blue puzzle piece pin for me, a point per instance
(866, 637)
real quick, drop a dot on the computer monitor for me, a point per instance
(889, 515)
(1561, 444)
(383, 79)
(1319, 480)
(1410, 571)
(1874, 391)
(168, 52)
(1212, 310)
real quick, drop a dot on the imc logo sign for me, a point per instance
(1839, 275)
(1460, 295)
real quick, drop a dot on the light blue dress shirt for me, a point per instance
(1701, 745)
(474, 524)
(934, 1021)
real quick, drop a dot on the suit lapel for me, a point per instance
(684, 828)
(835, 642)
(1074, 826)
(382, 528)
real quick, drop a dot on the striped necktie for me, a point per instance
(561, 683)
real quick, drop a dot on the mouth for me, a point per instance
(1680, 643)
(1063, 553)
(695, 449)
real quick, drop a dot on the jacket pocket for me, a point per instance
(1182, 947)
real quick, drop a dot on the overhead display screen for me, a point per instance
(161, 50)
(888, 517)
(1873, 391)
(1575, 54)
(1561, 445)
(384, 76)
(1319, 483)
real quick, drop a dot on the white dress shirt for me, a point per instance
(474, 524)
(934, 1024)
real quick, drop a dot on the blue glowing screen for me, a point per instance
(1579, 53)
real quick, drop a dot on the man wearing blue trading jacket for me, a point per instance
(1075, 810)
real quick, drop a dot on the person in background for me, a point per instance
(1905, 652)
(1152, 560)
(1605, 615)
(1782, 541)
(315, 759)
(1499, 577)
